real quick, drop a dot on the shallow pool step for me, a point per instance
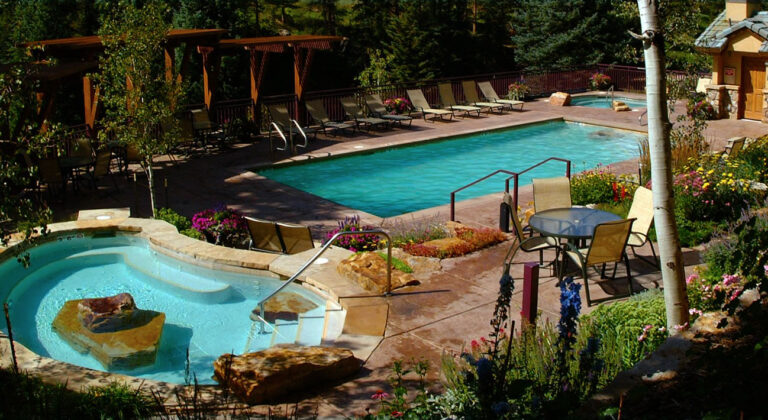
(170, 279)
(284, 332)
(310, 330)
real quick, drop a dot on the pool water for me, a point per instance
(207, 312)
(604, 101)
(401, 180)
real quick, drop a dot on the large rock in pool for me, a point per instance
(265, 375)
(113, 330)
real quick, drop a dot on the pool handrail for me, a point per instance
(513, 175)
(516, 177)
(317, 255)
(280, 133)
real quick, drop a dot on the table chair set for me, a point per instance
(583, 236)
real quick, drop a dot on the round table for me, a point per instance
(574, 223)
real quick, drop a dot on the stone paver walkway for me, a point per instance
(444, 313)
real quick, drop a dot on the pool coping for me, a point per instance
(164, 237)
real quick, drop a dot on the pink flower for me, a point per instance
(681, 327)
(396, 413)
(691, 278)
(694, 311)
(483, 340)
(474, 344)
(729, 279)
(647, 328)
(379, 395)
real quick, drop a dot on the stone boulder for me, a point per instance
(619, 106)
(266, 375)
(369, 270)
(126, 342)
(444, 244)
(423, 267)
(285, 306)
(560, 99)
(107, 314)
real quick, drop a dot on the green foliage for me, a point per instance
(26, 396)
(169, 215)
(622, 328)
(397, 263)
(411, 51)
(754, 159)
(377, 73)
(137, 96)
(560, 33)
(741, 250)
(600, 185)
(193, 233)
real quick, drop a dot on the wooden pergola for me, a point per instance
(79, 55)
(303, 47)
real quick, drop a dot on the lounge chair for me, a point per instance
(420, 103)
(642, 211)
(378, 109)
(470, 94)
(316, 110)
(449, 101)
(551, 193)
(353, 110)
(101, 169)
(203, 127)
(608, 246)
(491, 96)
(275, 237)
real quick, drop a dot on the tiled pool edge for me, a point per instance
(163, 236)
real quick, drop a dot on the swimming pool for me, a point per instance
(400, 180)
(604, 101)
(207, 311)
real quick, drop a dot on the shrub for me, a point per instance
(472, 239)
(699, 109)
(354, 243)
(599, 81)
(600, 186)
(754, 158)
(403, 231)
(741, 250)
(628, 330)
(221, 226)
(170, 216)
(193, 233)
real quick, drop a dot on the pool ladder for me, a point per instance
(259, 317)
(287, 142)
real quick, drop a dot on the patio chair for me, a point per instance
(316, 110)
(490, 95)
(295, 238)
(608, 246)
(51, 175)
(379, 110)
(82, 148)
(421, 104)
(470, 94)
(734, 147)
(203, 127)
(276, 237)
(535, 243)
(353, 111)
(449, 101)
(101, 169)
(642, 211)
(551, 193)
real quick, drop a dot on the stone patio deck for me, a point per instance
(444, 313)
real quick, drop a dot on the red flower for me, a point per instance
(396, 413)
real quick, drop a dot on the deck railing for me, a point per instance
(540, 83)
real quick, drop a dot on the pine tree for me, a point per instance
(412, 49)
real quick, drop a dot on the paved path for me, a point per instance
(444, 313)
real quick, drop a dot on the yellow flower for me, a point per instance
(705, 186)
(710, 172)
(700, 169)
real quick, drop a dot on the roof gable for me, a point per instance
(715, 37)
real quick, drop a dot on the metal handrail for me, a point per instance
(317, 255)
(282, 135)
(516, 176)
(303, 134)
(453, 193)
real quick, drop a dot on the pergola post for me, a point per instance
(45, 100)
(302, 59)
(258, 63)
(90, 102)
(211, 64)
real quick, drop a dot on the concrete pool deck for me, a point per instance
(445, 312)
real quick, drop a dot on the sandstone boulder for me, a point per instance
(445, 244)
(369, 270)
(285, 306)
(134, 344)
(560, 99)
(423, 267)
(265, 375)
(619, 106)
(107, 314)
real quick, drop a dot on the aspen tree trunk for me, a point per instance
(672, 270)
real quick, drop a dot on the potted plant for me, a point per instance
(599, 81)
(517, 91)
(398, 105)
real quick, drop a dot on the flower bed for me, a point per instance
(222, 226)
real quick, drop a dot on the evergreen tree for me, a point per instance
(412, 49)
(552, 34)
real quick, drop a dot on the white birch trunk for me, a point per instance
(672, 270)
(151, 185)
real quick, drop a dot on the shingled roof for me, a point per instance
(715, 37)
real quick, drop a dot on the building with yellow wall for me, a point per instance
(737, 40)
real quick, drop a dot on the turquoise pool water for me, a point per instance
(405, 179)
(207, 311)
(604, 101)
